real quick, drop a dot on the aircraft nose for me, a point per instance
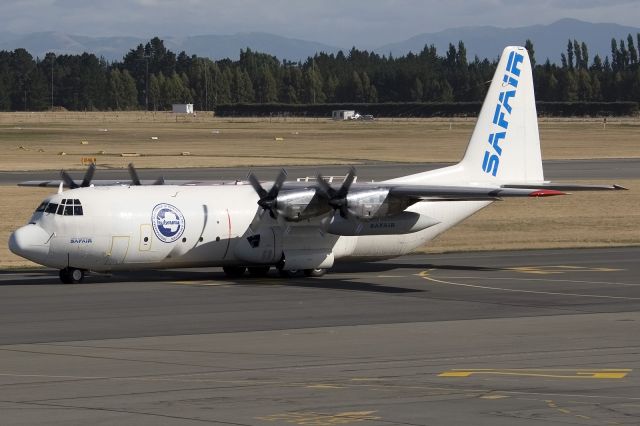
(29, 242)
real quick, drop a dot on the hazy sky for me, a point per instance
(336, 22)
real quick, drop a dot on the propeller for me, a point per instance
(86, 181)
(338, 199)
(268, 199)
(135, 179)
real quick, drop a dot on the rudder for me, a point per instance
(505, 144)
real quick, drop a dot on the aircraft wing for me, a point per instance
(567, 187)
(464, 193)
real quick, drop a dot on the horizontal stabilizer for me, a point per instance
(574, 187)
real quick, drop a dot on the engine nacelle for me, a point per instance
(402, 223)
(299, 205)
(374, 204)
(262, 247)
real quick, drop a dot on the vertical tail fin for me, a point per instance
(505, 144)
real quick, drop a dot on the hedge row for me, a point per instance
(424, 109)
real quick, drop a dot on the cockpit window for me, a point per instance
(70, 207)
(67, 207)
(51, 208)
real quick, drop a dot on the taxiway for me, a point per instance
(613, 168)
(500, 338)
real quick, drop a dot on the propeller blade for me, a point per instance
(268, 199)
(346, 185)
(277, 184)
(88, 176)
(253, 180)
(328, 191)
(68, 180)
(338, 199)
(344, 211)
(135, 179)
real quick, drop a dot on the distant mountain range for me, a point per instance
(212, 45)
(549, 41)
(485, 42)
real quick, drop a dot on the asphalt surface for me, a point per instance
(501, 338)
(554, 170)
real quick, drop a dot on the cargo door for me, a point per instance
(118, 250)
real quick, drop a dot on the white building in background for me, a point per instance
(182, 108)
(343, 114)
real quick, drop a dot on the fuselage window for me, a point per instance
(41, 207)
(77, 210)
(60, 209)
(68, 210)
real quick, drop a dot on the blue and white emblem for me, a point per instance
(168, 222)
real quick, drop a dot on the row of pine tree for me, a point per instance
(152, 77)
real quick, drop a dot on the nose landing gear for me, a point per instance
(71, 275)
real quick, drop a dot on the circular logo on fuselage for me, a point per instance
(168, 222)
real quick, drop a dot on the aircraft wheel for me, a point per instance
(71, 275)
(288, 273)
(234, 271)
(259, 271)
(317, 272)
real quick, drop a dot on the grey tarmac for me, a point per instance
(614, 168)
(488, 338)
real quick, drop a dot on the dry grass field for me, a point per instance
(37, 141)
(34, 141)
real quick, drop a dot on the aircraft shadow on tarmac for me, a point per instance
(36, 277)
(48, 277)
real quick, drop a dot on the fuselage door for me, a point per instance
(118, 251)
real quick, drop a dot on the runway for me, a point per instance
(615, 168)
(500, 338)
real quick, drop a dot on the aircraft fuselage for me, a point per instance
(141, 227)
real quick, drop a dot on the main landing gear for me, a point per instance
(263, 271)
(71, 275)
(234, 271)
(317, 272)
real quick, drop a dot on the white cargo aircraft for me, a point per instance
(111, 226)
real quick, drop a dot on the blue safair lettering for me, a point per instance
(81, 240)
(502, 114)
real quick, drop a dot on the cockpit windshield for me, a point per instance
(67, 207)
